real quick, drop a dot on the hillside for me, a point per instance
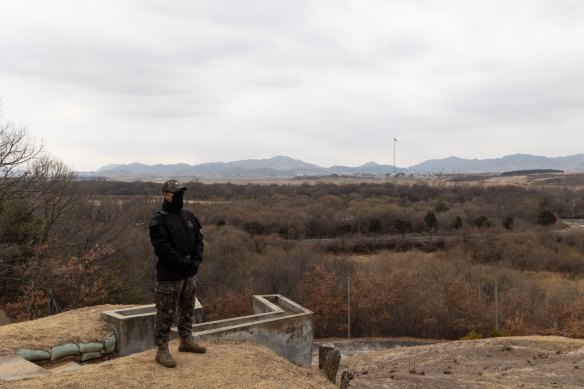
(572, 163)
(511, 362)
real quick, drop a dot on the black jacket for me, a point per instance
(176, 234)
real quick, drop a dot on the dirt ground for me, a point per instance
(226, 364)
(513, 362)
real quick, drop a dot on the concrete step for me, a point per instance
(16, 367)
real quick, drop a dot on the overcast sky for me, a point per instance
(331, 82)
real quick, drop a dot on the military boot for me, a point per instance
(163, 356)
(189, 346)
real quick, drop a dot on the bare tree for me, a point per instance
(16, 151)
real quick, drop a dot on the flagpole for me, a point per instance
(394, 169)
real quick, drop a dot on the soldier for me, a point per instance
(176, 236)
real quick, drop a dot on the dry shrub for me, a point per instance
(87, 279)
(566, 260)
(325, 297)
(465, 310)
(230, 304)
(372, 298)
(58, 284)
(516, 326)
(570, 318)
(24, 308)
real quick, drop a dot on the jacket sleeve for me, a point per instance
(199, 246)
(163, 248)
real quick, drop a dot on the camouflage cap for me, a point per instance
(173, 186)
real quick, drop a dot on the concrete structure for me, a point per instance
(134, 327)
(279, 323)
(16, 368)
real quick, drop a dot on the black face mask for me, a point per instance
(177, 199)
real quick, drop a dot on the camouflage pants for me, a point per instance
(170, 297)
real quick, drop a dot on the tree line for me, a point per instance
(66, 243)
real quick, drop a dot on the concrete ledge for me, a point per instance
(280, 324)
(233, 321)
(134, 327)
(265, 303)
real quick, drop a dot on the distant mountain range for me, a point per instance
(286, 167)
(572, 163)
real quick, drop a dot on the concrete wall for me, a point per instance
(282, 325)
(279, 323)
(134, 327)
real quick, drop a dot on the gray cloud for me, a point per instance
(331, 82)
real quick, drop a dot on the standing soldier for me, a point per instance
(176, 236)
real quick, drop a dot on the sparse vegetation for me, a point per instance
(68, 244)
(472, 335)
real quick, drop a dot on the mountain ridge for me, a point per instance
(498, 165)
(286, 167)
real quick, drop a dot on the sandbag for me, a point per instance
(110, 344)
(34, 355)
(90, 347)
(90, 356)
(64, 351)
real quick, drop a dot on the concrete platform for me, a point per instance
(15, 368)
(70, 366)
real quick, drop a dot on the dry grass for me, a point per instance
(226, 364)
(77, 326)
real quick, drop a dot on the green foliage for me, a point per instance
(403, 226)
(472, 335)
(481, 221)
(530, 171)
(546, 218)
(441, 206)
(457, 223)
(18, 224)
(508, 223)
(496, 333)
(431, 221)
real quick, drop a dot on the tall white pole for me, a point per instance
(394, 168)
